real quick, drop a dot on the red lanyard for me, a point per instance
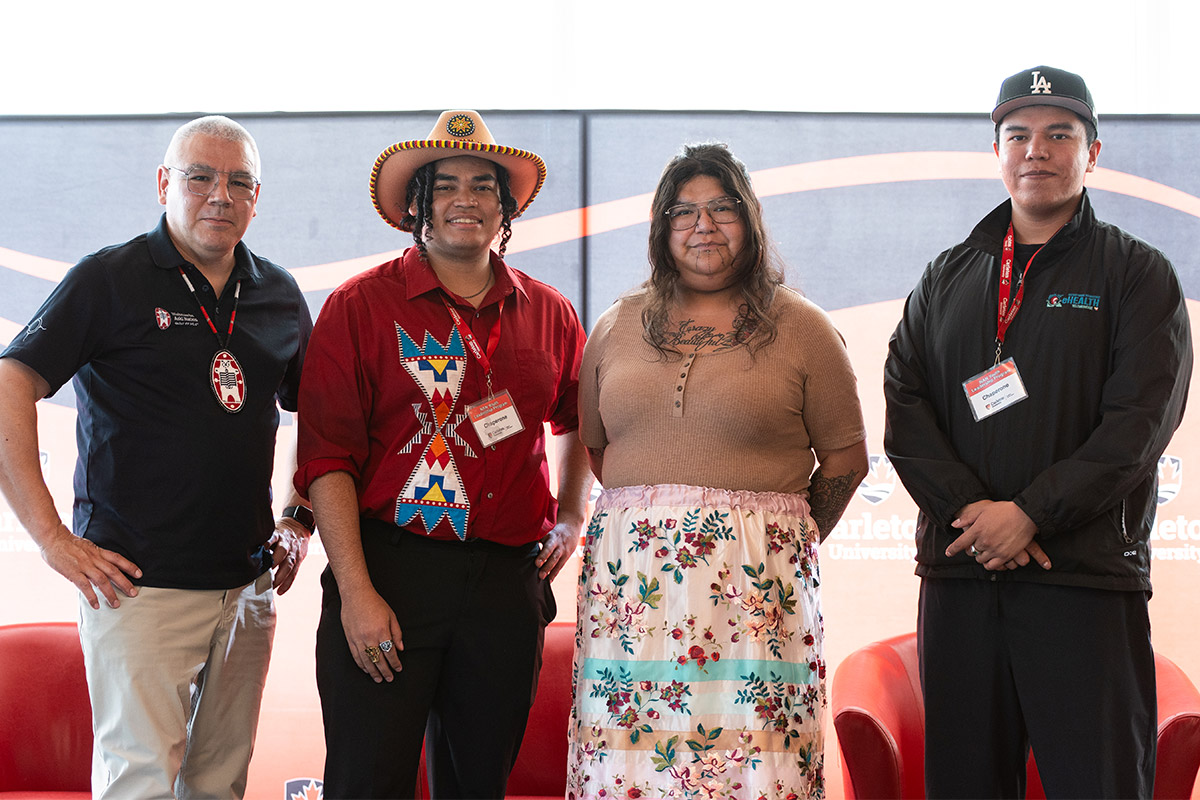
(237, 292)
(483, 357)
(1005, 315)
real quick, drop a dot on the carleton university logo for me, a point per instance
(880, 481)
(228, 381)
(162, 318)
(1170, 478)
(303, 789)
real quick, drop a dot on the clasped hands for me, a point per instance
(998, 534)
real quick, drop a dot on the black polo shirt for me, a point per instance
(166, 476)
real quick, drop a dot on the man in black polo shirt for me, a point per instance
(181, 343)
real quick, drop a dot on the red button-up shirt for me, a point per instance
(384, 393)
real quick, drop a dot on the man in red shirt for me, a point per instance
(427, 386)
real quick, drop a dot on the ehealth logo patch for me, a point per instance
(1088, 302)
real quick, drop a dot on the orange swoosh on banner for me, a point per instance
(566, 226)
(36, 266)
(9, 330)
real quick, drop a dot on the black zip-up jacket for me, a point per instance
(1103, 344)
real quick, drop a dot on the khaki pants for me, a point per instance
(176, 679)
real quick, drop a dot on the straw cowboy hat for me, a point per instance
(457, 133)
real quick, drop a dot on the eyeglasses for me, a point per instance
(686, 215)
(202, 181)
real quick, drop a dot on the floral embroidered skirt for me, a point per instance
(698, 659)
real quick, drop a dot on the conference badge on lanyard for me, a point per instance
(495, 418)
(995, 389)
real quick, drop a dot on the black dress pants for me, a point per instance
(473, 616)
(1008, 665)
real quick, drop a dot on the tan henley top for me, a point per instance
(729, 419)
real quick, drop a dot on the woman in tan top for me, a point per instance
(707, 397)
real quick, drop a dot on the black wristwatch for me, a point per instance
(303, 515)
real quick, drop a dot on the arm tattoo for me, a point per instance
(829, 496)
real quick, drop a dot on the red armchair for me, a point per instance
(1178, 731)
(879, 717)
(45, 714)
(541, 768)
(880, 723)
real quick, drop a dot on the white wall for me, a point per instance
(150, 56)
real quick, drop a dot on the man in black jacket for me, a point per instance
(1032, 384)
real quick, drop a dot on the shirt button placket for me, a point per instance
(677, 409)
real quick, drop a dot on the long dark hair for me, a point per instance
(759, 272)
(420, 194)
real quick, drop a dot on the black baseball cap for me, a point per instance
(1045, 86)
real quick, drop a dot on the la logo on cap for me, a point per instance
(1040, 84)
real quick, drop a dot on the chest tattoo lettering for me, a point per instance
(692, 336)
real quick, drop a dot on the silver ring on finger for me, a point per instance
(386, 645)
(974, 552)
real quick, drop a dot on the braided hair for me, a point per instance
(420, 195)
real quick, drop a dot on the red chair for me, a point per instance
(1178, 731)
(879, 716)
(45, 714)
(880, 722)
(541, 768)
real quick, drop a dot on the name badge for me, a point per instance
(495, 418)
(995, 389)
